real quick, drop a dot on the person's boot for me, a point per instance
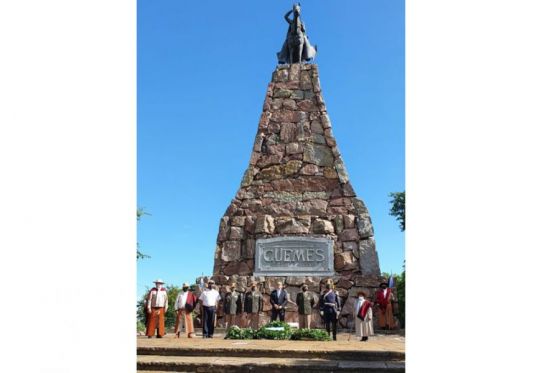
(363, 339)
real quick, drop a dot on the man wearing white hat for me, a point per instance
(184, 305)
(209, 299)
(156, 308)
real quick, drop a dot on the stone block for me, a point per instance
(231, 250)
(282, 93)
(363, 223)
(289, 104)
(248, 248)
(349, 235)
(330, 173)
(224, 229)
(264, 224)
(294, 148)
(247, 177)
(320, 155)
(349, 221)
(236, 233)
(309, 169)
(292, 167)
(369, 263)
(322, 226)
(238, 221)
(344, 261)
(316, 127)
(288, 132)
(341, 170)
(286, 225)
(367, 281)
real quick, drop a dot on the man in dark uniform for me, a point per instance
(329, 306)
(305, 303)
(253, 306)
(279, 301)
(233, 306)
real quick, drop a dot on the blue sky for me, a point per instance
(203, 68)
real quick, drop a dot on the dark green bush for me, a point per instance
(236, 332)
(314, 334)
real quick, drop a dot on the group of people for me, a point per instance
(236, 302)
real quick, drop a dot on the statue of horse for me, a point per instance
(296, 48)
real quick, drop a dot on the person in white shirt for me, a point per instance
(156, 306)
(209, 299)
(184, 305)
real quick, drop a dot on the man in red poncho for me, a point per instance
(384, 299)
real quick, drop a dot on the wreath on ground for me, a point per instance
(278, 330)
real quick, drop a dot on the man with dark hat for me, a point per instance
(233, 306)
(384, 299)
(305, 302)
(253, 305)
(329, 306)
(209, 299)
(156, 307)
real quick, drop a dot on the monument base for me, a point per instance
(346, 286)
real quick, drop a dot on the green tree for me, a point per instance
(139, 213)
(398, 208)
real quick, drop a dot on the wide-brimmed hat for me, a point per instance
(186, 284)
(211, 282)
(254, 283)
(384, 283)
(159, 281)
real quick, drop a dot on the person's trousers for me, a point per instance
(331, 323)
(232, 320)
(253, 320)
(385, 317)
(304, 321)
(278, 314)
(156, 319)
(184, 320)
(208, 323)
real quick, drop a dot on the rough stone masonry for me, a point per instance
(296, 185)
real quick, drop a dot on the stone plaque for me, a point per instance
(294, 256)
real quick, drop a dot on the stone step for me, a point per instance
(259, 364)
(279, 353)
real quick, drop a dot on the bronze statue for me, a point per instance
(296, 48)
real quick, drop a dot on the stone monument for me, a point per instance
(296, 216)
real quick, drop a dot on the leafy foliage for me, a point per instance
(236, 332)
(139, 213)
(285, 333)
(313, 334)
(398, 208)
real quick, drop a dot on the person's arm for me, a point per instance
(177, 305)
(286, 299)
(261, 303)
(166, 303)
(149, 302)
(286, 17)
